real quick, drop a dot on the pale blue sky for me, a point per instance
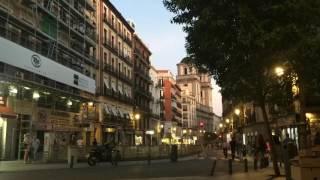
(165, 40)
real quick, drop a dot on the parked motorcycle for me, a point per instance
(104, 153)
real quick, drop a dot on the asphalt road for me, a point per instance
(197, 167)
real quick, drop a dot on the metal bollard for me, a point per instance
(71, 163)
(230, 166)
(245, 165)
(255, 164)
(213, 167)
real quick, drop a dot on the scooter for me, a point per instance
(103, 153)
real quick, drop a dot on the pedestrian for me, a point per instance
(35, 147)
(80, 142)
(233, 147)
(261, 149)
(317, 139)
(225, 147)
(94, 143)
(27, 147)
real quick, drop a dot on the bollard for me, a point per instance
(71, 162)
(213, 167)
(149, 159)
(245, 165)
(230, 166)
(255, 164)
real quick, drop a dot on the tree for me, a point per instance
(240, 43)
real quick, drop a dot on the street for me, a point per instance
(196, 168)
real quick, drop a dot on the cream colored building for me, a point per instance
(196, 97)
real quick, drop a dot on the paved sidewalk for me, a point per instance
(12, 166)
(264, 174)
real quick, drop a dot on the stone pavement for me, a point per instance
(264, 174)
(12, 166)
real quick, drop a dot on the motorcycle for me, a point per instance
(103, 153)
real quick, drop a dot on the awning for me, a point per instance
(120, 113)
(127, 114)
(8, 115)
(120, 90)
(113, 110)
(113, 85)
(106, 83)
(107, 109)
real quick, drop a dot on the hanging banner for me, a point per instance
(18, 56)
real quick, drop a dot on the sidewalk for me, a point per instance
(13, 166)
(264, 174)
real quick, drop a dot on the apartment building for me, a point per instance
(116, 77)
(142, 94)
(170, 96)
(47, 73)
(155, 122)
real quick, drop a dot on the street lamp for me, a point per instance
(227, 121)
(237, 111)
(137, 116)
(279, 71)
(221, 125)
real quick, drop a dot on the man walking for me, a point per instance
(233, 147)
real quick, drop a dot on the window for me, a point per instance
(112, 41)
(185, 71)
(161, 93)
(105, 36)
(112, 62)
(105, 12)
(112, 20)
(185, 85)
(119, 66)
(105, 58)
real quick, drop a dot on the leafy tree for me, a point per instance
(240, 43)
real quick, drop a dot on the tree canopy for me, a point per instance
(240, 42)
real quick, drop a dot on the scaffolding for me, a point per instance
(61, 30)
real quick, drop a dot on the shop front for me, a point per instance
(8, 124)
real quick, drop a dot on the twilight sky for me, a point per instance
(165, 40)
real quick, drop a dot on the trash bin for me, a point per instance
(72, 156)
(174, 153)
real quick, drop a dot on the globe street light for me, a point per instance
(237, 111)
(137, 116)
(227, 121)
(279, 71)
(221, 125)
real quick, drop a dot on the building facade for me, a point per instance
(142, 94)
(155, 123)
(115, 80)
(196, 98)
(47, 71)
(171, 108)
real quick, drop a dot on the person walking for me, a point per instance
(27, 141)
(35, 147)
(316, 141)
(233, 147)
(225, 147)
(94, 143)
(261, 148)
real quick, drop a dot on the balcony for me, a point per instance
(91, 5)
(114, 49)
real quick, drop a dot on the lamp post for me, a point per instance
(136, 117)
